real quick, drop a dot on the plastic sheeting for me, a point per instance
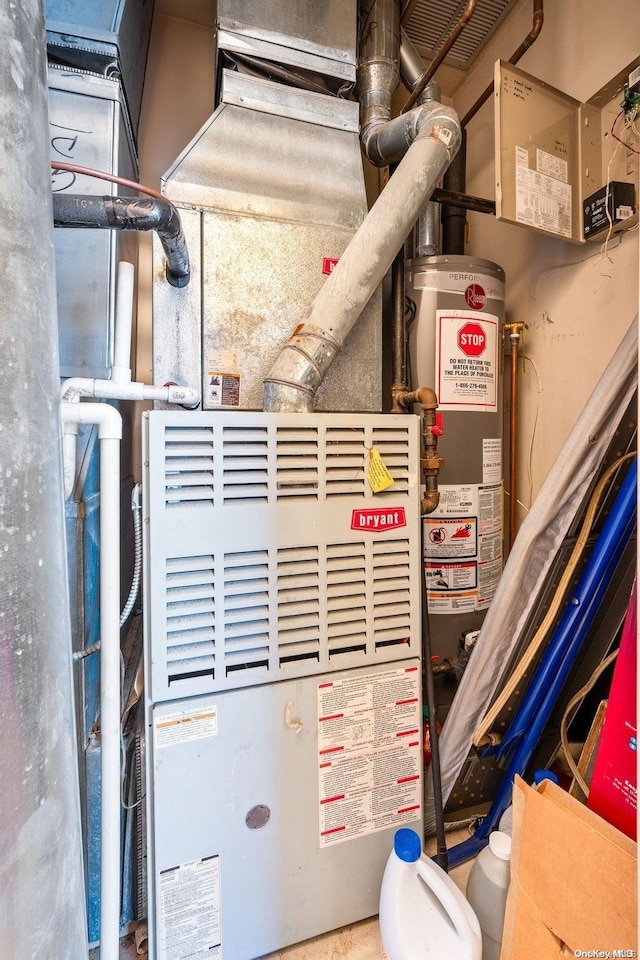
(535, 548)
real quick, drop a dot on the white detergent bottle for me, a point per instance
(423, 915)
(487, 889)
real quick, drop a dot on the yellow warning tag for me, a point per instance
(377, 474)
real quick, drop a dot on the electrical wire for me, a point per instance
(580, 695)
(623, 142)
(541, 633)
(136, 509)
(102, 175)
(533, 431)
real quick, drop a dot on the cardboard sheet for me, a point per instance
(573, 886)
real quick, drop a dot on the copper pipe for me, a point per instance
(515, 333)
(431, 462)
(461, 23)
(529, 40)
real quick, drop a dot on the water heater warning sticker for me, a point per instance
(467, 360)
(463, 548)
(369, 753)
(189, 918)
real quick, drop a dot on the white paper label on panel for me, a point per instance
(522, 157)
(467, 360)
(369, 753)
(222, 382)
(492, 460)
(543, 202)
(183, 725)
(552, 166)
(190, 911)
(463, 548)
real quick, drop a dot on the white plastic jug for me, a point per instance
(423, 915)
(487, 890)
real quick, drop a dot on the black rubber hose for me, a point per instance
(129, 213)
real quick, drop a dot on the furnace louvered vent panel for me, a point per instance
(346, 599)
(297, 463)
(346, 455)
(188, 466)
(245, 464)
(190, 618)
(267, 554)
(392, 443)
(298, 601)
(391, 592)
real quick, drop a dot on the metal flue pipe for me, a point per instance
(302, 364)
(41, 871)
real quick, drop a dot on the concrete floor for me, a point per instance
(358, 941)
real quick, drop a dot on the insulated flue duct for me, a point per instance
(304, 361)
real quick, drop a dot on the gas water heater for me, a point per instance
(455, 345)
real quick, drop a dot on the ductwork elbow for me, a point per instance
(386, 143)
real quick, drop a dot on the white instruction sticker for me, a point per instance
(467, 360)
(492, 460)
(463, 548)
(369, 753)
(543, 202)
(222, 380)
(522, 157)
(190, 911)
(184, 725)
(552, 165)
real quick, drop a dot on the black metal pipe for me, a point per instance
(398, 327)
(464, 200)
(454, 218)
(442, 858)
(129, 213)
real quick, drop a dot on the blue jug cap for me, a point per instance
(407, 846)
(541, 775)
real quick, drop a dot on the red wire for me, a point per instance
(623, 142)
(101, 175)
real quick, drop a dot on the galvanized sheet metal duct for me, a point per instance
(42, 912)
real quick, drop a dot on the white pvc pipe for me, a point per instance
(121, 369)
(109, 424)
(76, 387)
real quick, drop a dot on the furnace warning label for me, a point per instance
(369, 753)
(184, 725)
(190, 911)
(463, 548)
(467, 359)
(222, 380)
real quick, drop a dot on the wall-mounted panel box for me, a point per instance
(554, 154)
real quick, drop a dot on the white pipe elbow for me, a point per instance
(102, 415)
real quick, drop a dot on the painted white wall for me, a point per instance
(576, 309)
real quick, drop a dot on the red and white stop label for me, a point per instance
(472, 339)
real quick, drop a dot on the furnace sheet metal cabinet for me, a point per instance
(282, 651)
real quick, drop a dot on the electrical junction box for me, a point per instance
(554, 154)
(282, 652)
(607, 208)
